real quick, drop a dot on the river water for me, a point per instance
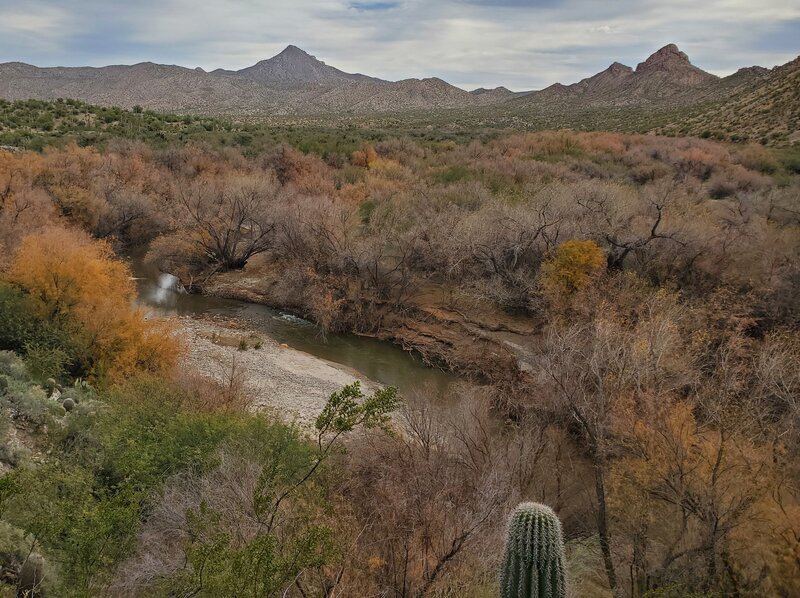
(378, 360)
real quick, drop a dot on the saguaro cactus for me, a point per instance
(534, 560)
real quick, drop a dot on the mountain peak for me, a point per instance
(291, 55)
(667, 58)
(294, 66)
(618, 67)
(292, 51)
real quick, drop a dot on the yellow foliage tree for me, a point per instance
(76, 281)
(712, 491)
(569, 269)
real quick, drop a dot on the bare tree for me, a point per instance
(435, 494)
(600, 371)
(229, 219)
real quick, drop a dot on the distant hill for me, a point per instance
(292, 82)
(667, 77)
(154, 86)
(759, 101)
(768, 112)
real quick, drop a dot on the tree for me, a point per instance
(76, 283)
(227, 219)
(431, 500)
(600, 369)
(569, 268)
(706, 484)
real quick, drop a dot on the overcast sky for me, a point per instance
(522, 44)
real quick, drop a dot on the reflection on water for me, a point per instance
(375, 359)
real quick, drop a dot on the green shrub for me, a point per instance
(365, 210)
(453, 174)
(30, 407)
(46, 344)
(13, 367)
(8, 454)
(23, 568)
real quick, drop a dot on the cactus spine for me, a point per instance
(534, 560)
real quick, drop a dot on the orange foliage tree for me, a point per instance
(75, 281)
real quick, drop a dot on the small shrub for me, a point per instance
(451, 175)
(31, 407)
(13, 367)
(720, 187)
(47, 363)
(22, 566)
(365, 210)
(758, 158)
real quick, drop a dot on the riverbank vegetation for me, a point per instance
(626, 306)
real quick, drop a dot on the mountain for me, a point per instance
(492, 96)
(667, 76)
(768, 111)
(672, 67)
(296, 84)
(609, 80)
(292, 82)
(155, 86)
(294, 66)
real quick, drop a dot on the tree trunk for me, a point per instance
(602, 527)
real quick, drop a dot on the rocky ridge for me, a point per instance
(296, 83)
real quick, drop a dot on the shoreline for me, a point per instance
(293, 384)
(467, 348)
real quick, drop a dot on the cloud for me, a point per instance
(601, 29)
(522, 44)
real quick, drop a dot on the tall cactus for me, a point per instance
(534, 560)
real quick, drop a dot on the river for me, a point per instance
(377, 360)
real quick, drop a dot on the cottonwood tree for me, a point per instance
(74, 282)
(504, 245)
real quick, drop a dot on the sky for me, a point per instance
(521, 44)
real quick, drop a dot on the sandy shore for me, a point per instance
(293, 384)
